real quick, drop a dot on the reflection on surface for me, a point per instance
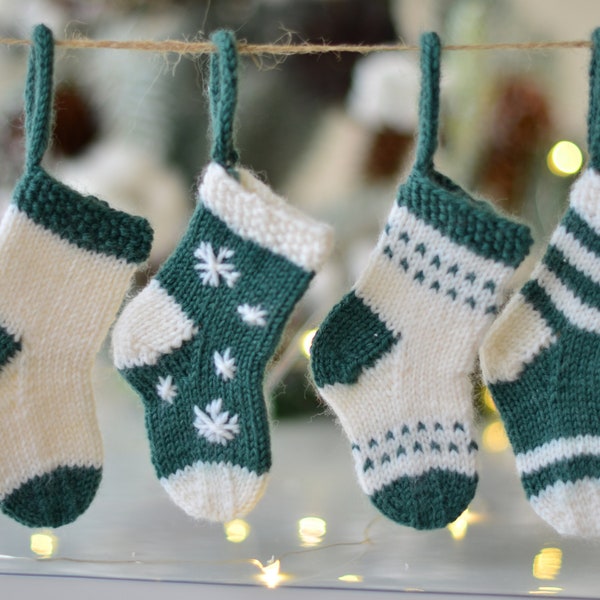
(43, 543)
(311, 530)
(351, 578)
(544, 590)
(564, 159)
(236, 531)
(547, 563)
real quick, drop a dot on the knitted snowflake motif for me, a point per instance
(166, 389)
(216, 426)
(253, 315)
(225, 366)
(214, 267)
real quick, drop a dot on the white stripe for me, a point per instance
(253, 211)
(151, 325)
(577, 254)
(572, 508)
(557, 450)
(584, 198)
(579, 314)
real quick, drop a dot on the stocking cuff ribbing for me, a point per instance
(442, 204)
(85, 221)
(254, 212)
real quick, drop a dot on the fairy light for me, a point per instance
(494, 438)
(311, 530)
(271, 575)
(547, 563)
(306, 341)
(458, 529)
(564, 159)
(236, 531)
(488, 401)
(44, 544)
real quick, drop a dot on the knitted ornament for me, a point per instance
(66, 263)
(541, 358)
(393, 357)
(196, 341)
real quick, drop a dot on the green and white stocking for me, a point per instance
(393, 357)
(66, 263)
(196, 341)
(541, 359)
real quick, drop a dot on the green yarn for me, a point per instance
(429, 501)
(586, 235)
(593, 122)
(9, 346)
(223, 98)
(429, 102)
(38, 95)
(53, 499)
(85, 221)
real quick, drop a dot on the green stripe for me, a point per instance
(535, 294)
(583, 287)
(567, 470)
(9, 346)
(466, 221)
(429, 501)
(554, 396)
(579, 228)
(85, 221)
(351, 339)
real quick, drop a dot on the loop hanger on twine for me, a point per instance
(429, 101)
(223, 99)
(593, 131)
(38, 96)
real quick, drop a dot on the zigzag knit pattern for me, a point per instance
(195, 343)
(393, 357)
(540, 360)
(66, 263)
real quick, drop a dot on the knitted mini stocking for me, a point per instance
(541, 358)
(393, 358)
(196, 341)
(66, 263)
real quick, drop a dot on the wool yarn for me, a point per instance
(196, 341)
(540, 359)
(66, 262)
(393, 357)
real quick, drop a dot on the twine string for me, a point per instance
(207, 47)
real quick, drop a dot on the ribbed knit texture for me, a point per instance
(195, 343)
(393, 357)
(66, 263)
(542, 356)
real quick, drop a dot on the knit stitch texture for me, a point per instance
(195, 343)
(66, 264)
(540, 359)
(393, 357)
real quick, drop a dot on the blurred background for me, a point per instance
(332, 133)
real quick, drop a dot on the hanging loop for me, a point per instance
(429, 102)
(38, 95)
(223, 98)
(594, 107)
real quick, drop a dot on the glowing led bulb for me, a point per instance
(494, 438)
(311, 530)
(547, 563)
(306, 341)
(236, 531)
(44, 544)
(564, 159)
